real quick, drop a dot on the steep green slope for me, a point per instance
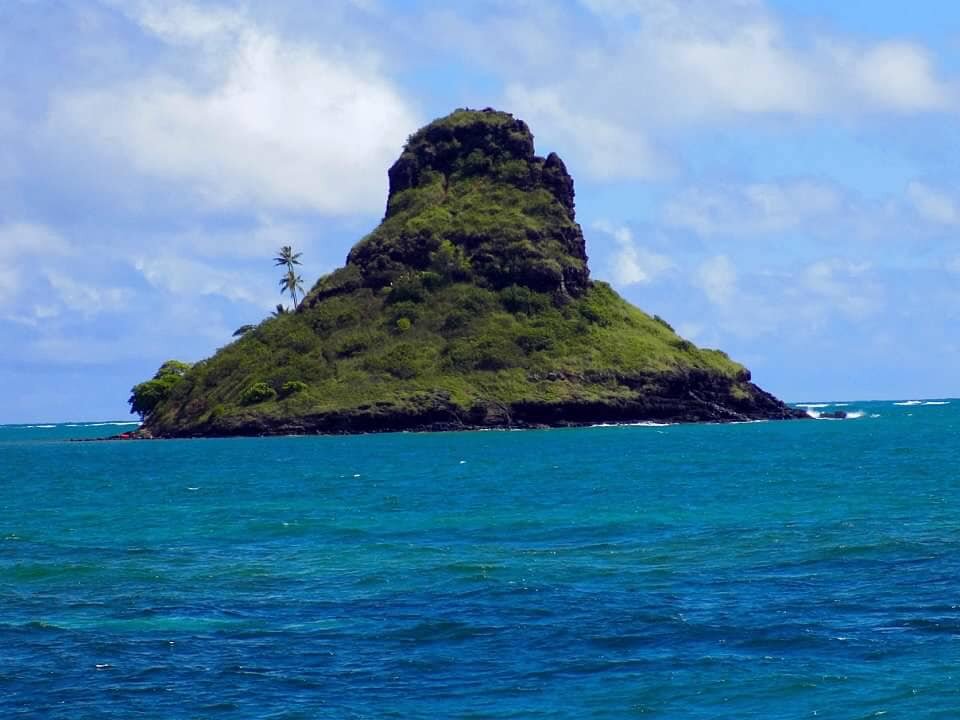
(469, 305)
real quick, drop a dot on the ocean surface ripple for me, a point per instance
(774, 570)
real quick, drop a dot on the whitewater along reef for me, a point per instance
(470, 306)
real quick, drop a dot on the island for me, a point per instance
(470, 306)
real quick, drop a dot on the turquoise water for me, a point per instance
(775, 570)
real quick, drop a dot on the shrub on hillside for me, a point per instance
(663, 322)
(401, 362)
(257, 393)
(292, 388)
(406, 288)
(517, 299)
(450, 262)
(145, 397)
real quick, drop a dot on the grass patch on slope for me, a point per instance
(470, 343)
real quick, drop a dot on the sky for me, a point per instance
(777, 178)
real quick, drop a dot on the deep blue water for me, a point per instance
(774, 570)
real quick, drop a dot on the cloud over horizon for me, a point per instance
(270, 123)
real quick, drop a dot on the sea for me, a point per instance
(772, 570)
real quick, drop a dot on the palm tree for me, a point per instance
(287, 257)
(281, 310)
(293, 284)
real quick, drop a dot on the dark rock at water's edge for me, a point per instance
(469, 306)
(833, 415)
(691, 398)
(138, 434)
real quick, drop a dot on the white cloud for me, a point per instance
(22, 246)
(756, 208)
(717, 277)
(735, 56)
(932, 204)
(20, 239)
(615, 152)
(742, 68)
(180, 22)
(898, 76)
(182, 276)
(637, 266)
(40, 273)
(632, 264)
(796, 303)
(270, 123)
(658, 66)
(259, 240)
(35, 315)
(845, 285)
(690, 330)
(82, 297)
(372, 7)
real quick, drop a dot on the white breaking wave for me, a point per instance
(645, 423)
(855, 415)
(813, 405)
(937, 402)
(910, 402)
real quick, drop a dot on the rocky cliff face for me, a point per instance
(479, 143)
(470, 305)
(472, 180)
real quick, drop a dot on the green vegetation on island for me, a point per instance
(469, 305)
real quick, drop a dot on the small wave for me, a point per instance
(909, 402)
(937, 402)
(813, 405)
(840, 404)
(645, 423)
(855, 415)
(120, 422)
(40, 427)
